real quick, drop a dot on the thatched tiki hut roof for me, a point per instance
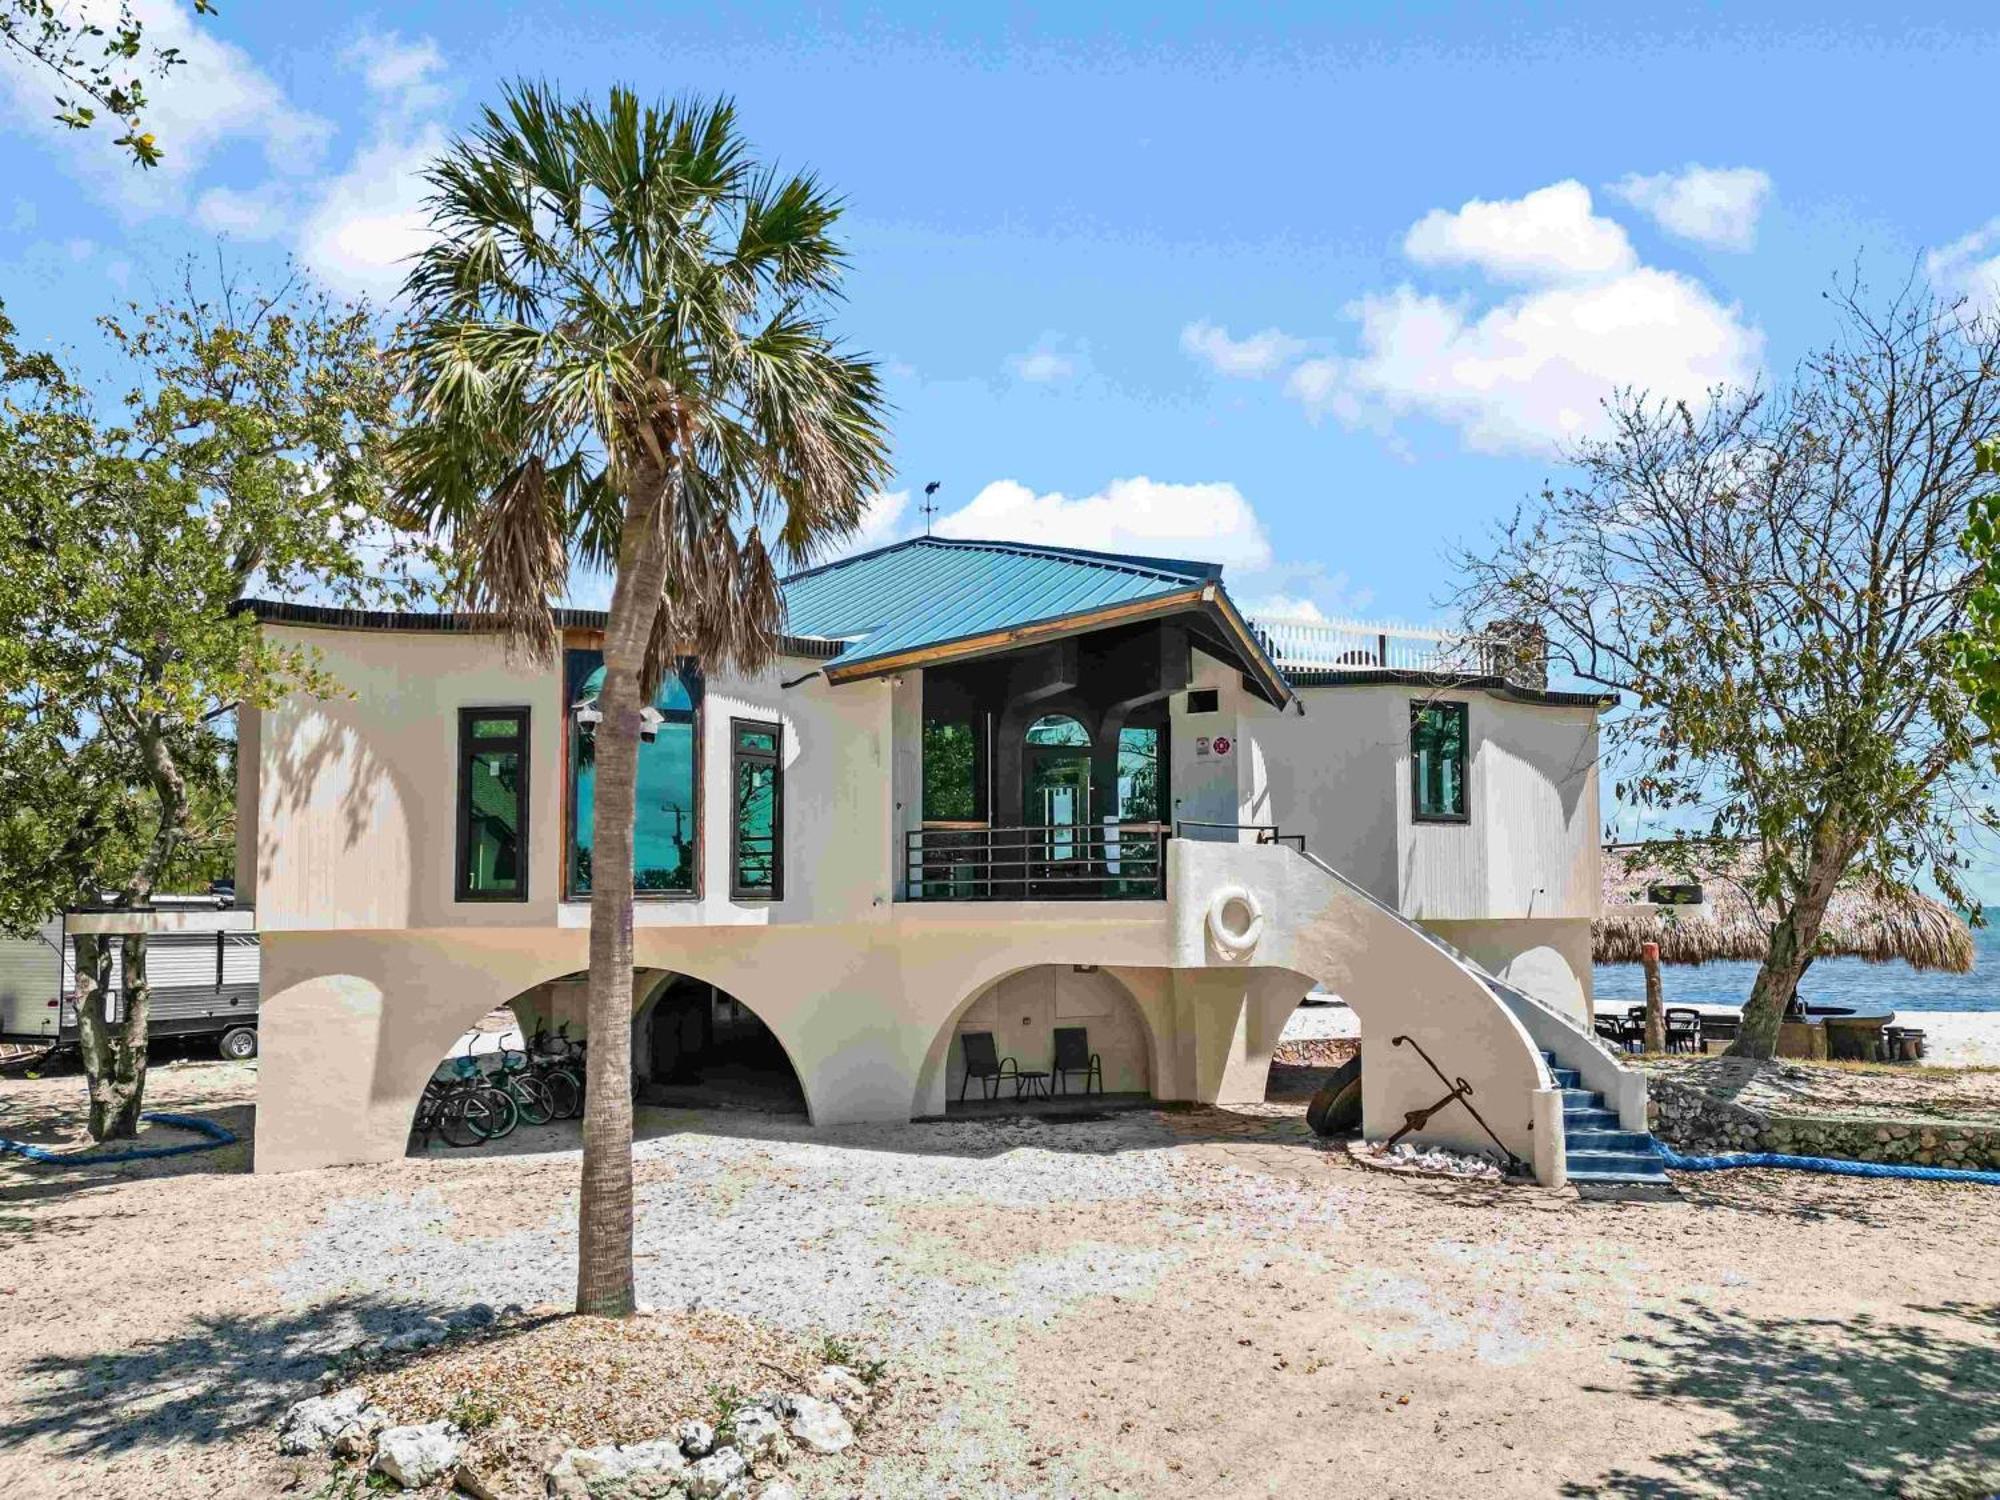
(1863, 920)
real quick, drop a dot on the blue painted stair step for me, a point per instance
(1597, 1146)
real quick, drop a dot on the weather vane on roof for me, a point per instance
(930, 506)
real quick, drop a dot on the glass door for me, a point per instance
(1057, 803)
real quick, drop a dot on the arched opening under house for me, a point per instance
(1319, 1037)
(1053, 1038)
(697, 1046)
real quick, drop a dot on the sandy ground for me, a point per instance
(1160, 1303)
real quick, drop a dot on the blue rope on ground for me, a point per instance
(1829, 1164)
(218, 1135)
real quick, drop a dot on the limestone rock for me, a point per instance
(720, 1474)
(840, 1385)
(414, 1456)
(819, 1425)
(777, 1489)
(631, 1471)
(760, 1435)
(697, 1438)
(319, 1423)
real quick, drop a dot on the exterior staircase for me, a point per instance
(1596, 1149)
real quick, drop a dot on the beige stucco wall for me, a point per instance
(372, 969)
(354, 1022)
(1022, 1011)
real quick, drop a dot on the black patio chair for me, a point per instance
(1073, 1055)
(1610, 1029)
(984, 1062)
(1635, 1028)
(1683, 1029)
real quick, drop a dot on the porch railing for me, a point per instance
(1354, 646)
(1091, 862)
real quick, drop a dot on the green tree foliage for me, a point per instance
(1978, 648)
(1775, 583)
(621, 353)
(96, 65)
(245, 453)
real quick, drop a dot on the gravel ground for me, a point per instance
(1184, 1303)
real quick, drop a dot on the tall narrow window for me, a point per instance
(665, 814)
(492, 804)
(756, 777)
(1438, 756)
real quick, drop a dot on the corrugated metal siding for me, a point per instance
(933, 590)
(30, 976)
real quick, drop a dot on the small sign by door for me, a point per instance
(1222, 744)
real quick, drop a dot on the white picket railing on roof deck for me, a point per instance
(1354, 645)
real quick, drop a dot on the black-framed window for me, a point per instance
(757, 810)
(1440, 752)
(492, 862)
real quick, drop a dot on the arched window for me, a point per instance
(1058, 729)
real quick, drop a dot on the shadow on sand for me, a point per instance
(1821, 1407)
(220, 1378)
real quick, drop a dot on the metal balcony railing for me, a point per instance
(1101, 862)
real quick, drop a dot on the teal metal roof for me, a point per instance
(932, 591)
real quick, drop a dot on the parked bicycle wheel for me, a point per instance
(496, 1121)
(531, 1096)
(565, 1095)
(461, 1117)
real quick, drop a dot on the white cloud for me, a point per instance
(370, 219)
(1052, 359)
(1042, 365)
(390, 65)
(885, 518)
(1529, 374)
(1969, 268)
(1551, 235)
(217, 97)
(1284, 607)
(367, 220)
(1208, 522)
(1715, 206)
(1528, 370)
(1259, 354)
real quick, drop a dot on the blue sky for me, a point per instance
(1314, 290)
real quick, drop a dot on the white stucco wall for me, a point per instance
(351, 815)
(1340, 774)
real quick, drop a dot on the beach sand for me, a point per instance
(1957, 1038)
(1952, 1038)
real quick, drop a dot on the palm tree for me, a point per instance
(619, 353)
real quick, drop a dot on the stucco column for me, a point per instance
(1227, 1022)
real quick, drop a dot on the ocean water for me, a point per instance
(1830, 981)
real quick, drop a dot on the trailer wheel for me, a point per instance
(239, 1043)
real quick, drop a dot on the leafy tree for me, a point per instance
(1978, 648)
(1775, 580)
(621, 354)
(246, 453)
(97, 66)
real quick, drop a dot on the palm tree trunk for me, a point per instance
(604, 1241)
(1792, 942)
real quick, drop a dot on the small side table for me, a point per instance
(1031, 1086)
